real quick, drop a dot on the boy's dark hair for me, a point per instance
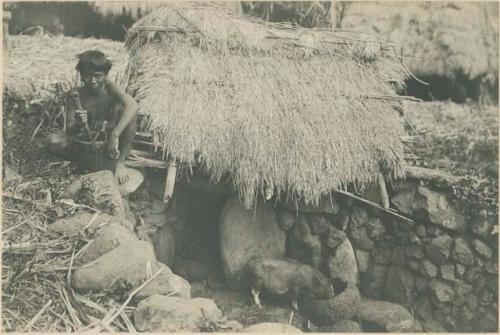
(93, 60)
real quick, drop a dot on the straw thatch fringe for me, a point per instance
(302, 111)
(440, 38)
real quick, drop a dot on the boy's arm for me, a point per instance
(121, 136)
(130, 108)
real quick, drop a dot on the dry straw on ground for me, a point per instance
(440, 38)
(37, 263)
(303, 111)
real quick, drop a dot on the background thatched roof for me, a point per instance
(137, 9)
(305, 111)
(133, 8)
(440, 38)
(36, 62)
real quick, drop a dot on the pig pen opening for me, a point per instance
(187, 235)
(185, 232)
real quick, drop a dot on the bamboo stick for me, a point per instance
(371, 203)
(37, 316)
(170, 181)
(383, 190)
(107, 321)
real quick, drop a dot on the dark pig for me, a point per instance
(280, 277)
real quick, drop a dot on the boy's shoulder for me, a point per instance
(115, 90)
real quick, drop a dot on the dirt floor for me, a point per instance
(237, 305)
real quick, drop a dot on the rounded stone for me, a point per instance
(270, 327)
(106, 239)
(343, 264)
(330, 311)
(167, 284)
(128, 262)
(344, 326)
(159, 313)
(392, 317)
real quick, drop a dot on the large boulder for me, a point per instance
(75, 225)
(342, 265)
(271, 327)
(164, 245)
(159, 313)
(245, 234)
(99, 190)
(168, 284)
(330, 311)
(127, 262)
(429, 205)
(387, 316)
(136, 178)
(106, 239)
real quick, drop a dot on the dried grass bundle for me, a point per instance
(35, 63)
(267, 104)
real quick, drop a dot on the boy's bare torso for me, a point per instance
(100, 106)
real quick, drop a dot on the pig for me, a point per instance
(282, 276)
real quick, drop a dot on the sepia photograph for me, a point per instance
(250, 166)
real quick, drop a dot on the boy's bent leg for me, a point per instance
(124, 146)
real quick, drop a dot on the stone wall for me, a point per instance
(441, 269)
(443, 266)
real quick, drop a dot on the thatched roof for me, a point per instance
(439, 38)
(137, 9)
(305, 111)
(133, 8)
(36, 62)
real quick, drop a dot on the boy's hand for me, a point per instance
(81, 116)
(113, 146)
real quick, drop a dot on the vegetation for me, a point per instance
(461, 140)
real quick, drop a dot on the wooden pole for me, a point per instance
(383, 190)
(170, 181)
(5, 26)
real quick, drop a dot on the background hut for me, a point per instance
(442, 42)
(301, 111)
